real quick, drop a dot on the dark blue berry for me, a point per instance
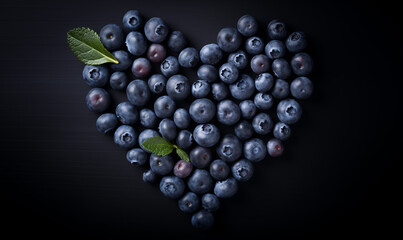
(96, 76)
(156, 30)
(206, 135)
(188, 57)
(242, 170)
(98, 100)
(112, 36)
(289, 111)
(254, 150)
(172, 186)
(200, 157)
(211, 54)
(161, 165)
(200, 181)
(178, 87)
(138, 93)
(247, 25)
(229, 39)
(125, 136)
(301, 88)
(219, 169)
(132, 21)
(106, 122)
(189, 202)
(136, 43)
(127, 113)
(230, 148)
(136, 156)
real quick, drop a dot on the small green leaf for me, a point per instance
(182, 154)
(87, 47)
(158, 146)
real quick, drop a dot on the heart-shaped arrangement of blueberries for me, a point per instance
(237, 113)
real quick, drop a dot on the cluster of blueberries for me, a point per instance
(224, 93)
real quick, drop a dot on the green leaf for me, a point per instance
(87, 47)
(158, 146)
(182, 154)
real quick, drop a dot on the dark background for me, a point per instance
(62, 178)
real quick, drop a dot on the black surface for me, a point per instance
(62, 178)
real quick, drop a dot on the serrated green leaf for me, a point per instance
(87, 47)
(182, 155)
(158, 146)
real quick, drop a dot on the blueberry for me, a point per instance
(127, 113)
(277, 29)
(243, 130)
(182, 169)
(263, 101)
(188, 57)
(200, 157)
(275, 147)
(254, 150)
(207, 72)
(254, 45)
(289, 111)
(184, 139)
(200, 181)
(301, 88)
(125, 136)
(228, 73)
(189, 203)
(112, 36)
(200, 88)
(281, 89)
(226, 188)
(247, 25)
(182, 118)
(146, 134)
(282, 131)
(281, 68)
(302, 64)
(228, 112)
(219, 91)
(264, 82)
(106, 122)
(219, 169)
(177, 41)
(98, 100)
(167, 129)
(210, 202)
(148, 118)
(260, 63)
(118, 80)
(156, 30)
(275, 49)
(248, 109)
(230, 148)
(238, 59)
(138, 93)
(202, 110)
(141, 67)
(164, 107)
(132, 21)
(136, 43)
(161, 165)
(243, 88)
(150, 176)
(202, 220)
(136, 156)
(156, 53)
(206, 135)
(170, 66)
(178, 87)
(172, 186)
(262, 123)
(96, 76)
(211, 54)
(242, 170)
(157, 83)
(124, 59)
(229, 39)
(296, 42)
